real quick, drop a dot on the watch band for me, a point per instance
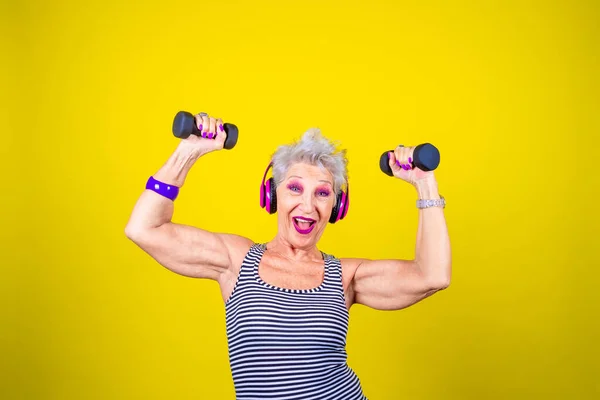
(426, 203)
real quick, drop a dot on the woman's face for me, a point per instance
(305, 200)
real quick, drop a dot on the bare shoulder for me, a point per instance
(349, 267)
(237, 246)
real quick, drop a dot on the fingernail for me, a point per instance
(200, 127)
(398, 163)
(410, 160)
(209, 136)
(214, 137)
(221, 127)
(405, 167)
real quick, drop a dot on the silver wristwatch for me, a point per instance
(426, 203)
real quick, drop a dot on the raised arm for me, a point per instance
(183, 249)
(396, 284)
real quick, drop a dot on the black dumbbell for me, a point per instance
(425, 157)
(184, 125)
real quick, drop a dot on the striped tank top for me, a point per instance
(288, 343)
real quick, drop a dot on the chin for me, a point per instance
(303, 240)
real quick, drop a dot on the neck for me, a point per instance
(282, 247)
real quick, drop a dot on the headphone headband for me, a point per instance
(267, 170)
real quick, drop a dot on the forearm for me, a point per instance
(432, 253)
(153, 210)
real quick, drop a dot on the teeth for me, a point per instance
(302, 220)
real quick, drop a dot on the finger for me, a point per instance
(199, 122)
(212, 123)
(219, 130)
(405, 154)
(411, 160)
(406, 159)
(400, 157)
(202, 124)
(393, 162)
(206, 120)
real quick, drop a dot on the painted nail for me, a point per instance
(221, 127)
(215, 136)
(405, 167)
(200, 128)
(398, 163)
(410, 160)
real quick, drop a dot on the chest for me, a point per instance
(285, 274)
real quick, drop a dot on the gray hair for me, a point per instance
(314, 149)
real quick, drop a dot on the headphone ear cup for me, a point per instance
(271, 197)
(346, 205)
(336, 210)
(340, 209)
(263, 195)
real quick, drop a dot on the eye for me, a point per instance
(323, 193)
(294, 188)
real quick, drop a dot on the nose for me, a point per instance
(308, 203)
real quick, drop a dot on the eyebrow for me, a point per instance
(321, 180)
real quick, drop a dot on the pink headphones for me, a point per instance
(268, 199)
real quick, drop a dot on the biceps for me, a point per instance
(390, 284)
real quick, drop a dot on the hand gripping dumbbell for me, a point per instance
(425, 157)
(184, 125)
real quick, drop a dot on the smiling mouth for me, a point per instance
(304, 225)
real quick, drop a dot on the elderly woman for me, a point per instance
(287, 302)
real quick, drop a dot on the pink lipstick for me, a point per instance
(304, 231)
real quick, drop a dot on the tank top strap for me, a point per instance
(252, 257)
(330, 258)
(245, 274)
(260, 246)
(333, 267)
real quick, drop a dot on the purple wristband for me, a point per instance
(168, 191)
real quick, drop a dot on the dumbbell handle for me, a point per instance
(184, 125)
(425, 157)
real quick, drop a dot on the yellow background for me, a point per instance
(508, 91)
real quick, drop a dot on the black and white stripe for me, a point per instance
(289, 344)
